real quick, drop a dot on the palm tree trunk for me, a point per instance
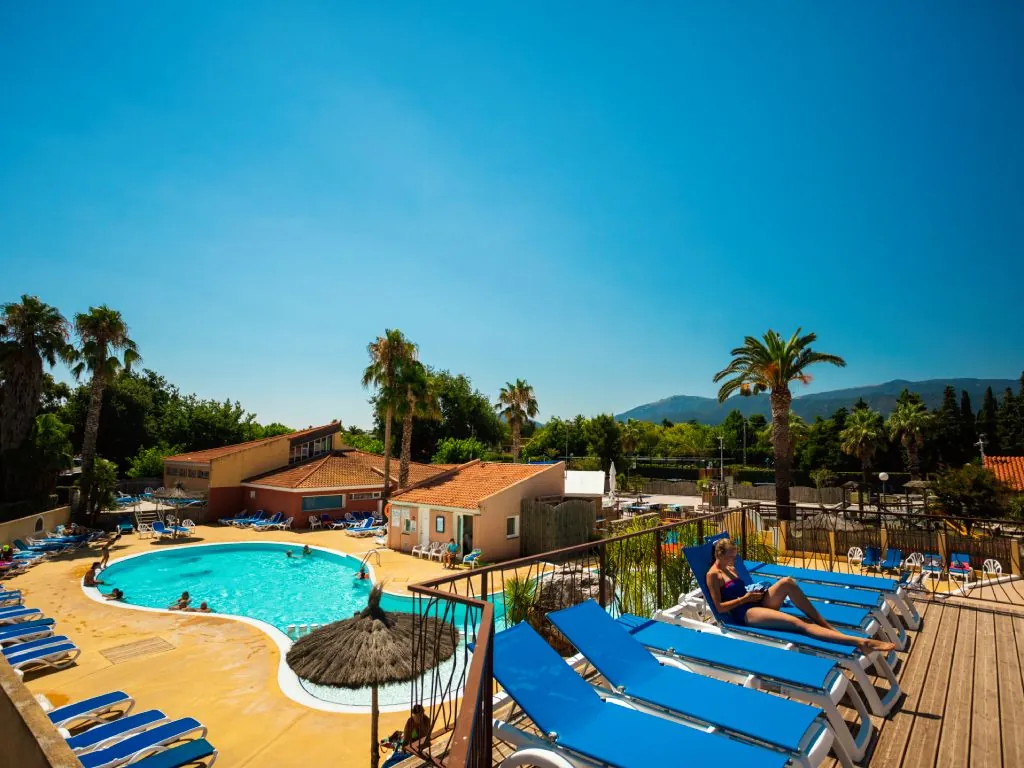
(781, 400)
(515, 441)
(913, 459)
(374, 715)
(387, 456)
(403, 467)
(92, 429)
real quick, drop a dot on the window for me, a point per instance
(512, 527)
(439, 524)
(364, 496)
(252, 494)
(310, 449)
(410, 525)
(319, 503)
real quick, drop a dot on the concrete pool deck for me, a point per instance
(220, 671)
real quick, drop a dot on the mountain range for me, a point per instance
(881, 397)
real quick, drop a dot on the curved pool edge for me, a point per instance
(287, 680)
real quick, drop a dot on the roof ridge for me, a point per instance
(541, 468)
(445, 475)
(316, 464)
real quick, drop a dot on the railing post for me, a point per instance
(486, 737)
(657, 569)
(743, 532)
(602, 567)
(700, 532)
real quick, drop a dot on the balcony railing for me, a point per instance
(642, 570)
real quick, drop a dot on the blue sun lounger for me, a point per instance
(48, 656)
(848, 656)
(18, 613)
(582, 727)
(872, 558)
(274, 519)
(91, 710)
(142, 743)
(102, 736)
(891, 588)
(797, 729)
(247, 521)
(817, 681)
(23, 632)
(7, 599)
(31, 645)
(189, 753)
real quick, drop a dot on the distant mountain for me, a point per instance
(881, 397)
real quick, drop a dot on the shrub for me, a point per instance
(973, 490)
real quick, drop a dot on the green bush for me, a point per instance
(458, 451)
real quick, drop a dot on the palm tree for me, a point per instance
(517, 404)
(418, 401)
(863, 437)
(773, 363)
(31, 333)
(388, 355)
(909, 422)
(105, 349)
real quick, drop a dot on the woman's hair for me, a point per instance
(417, 709)
(722, 546)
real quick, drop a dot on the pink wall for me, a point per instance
(289, 503)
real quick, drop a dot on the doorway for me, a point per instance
(466, 536)
(424, 528)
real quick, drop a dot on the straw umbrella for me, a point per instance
(371, 649)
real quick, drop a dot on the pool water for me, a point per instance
(259, 581)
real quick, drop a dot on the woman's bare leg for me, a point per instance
(769, 618)
(783, 588)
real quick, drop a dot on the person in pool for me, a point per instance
(306, 551)
(288, 553)
(182, 603)
(362, 574)
(203, 608)
(761, 608)
(115, 594)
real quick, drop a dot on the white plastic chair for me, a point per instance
(437, 551)
(422, 549)
(914, 561)
(144, 530)
(189, 526)
(992, 568)
(855, 556)
(314, 523)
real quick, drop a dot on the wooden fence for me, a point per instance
(546, 527)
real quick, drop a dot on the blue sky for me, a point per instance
(600, 198)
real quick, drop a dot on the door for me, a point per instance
(467, 534)
(424, 527)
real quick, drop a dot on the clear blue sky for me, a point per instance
(601, 198)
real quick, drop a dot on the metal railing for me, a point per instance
(642, 569)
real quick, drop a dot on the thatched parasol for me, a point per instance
(371, 649)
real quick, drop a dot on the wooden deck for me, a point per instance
(963, 688)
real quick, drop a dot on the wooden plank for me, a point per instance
(895, 732)
(955, 740)
(1011, 691)
(986, 748)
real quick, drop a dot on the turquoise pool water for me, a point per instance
(258, 580)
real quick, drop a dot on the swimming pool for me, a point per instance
(258, 580)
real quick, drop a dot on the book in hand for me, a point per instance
(758, 586)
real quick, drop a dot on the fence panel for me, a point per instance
(554, 526)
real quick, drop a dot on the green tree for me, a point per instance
(149, 462)
(820, 448)
(32, 333)
(946, 433)
(418, 401)
(1010, 422)
(104, 348)
(772, 364)
(863, 437)
(388, 353)
(104, 483)
(516, 403)
(47, 453)
(987, 423)
(972, 491)
(968, 427)
(604, 439)
(458, 450)
(909, 423)
(362, 441)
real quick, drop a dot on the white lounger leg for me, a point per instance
(893, 628)
(904, 603)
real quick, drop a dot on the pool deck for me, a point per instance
(220, 671)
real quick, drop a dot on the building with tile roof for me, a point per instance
(477, 504)
(344, 480)
(1009, 469)
(217, 473)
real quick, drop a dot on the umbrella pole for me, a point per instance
(374, 714)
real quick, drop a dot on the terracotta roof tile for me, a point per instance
(470, 484)
(1009, 469)
(343, 468)
(226, 450)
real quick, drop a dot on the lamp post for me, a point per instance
(744, 441)
(883, 476)
(721, 458)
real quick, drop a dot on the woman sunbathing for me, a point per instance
(761, 608)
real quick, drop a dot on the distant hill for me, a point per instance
(881, 397)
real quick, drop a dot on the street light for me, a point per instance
(721, 458)
(883, 476)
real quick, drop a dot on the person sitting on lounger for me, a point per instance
(115, 594)
(6, 555)
(90, 576)
(182, 603)
(451, 551)
(417, 729)
(760, 608)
